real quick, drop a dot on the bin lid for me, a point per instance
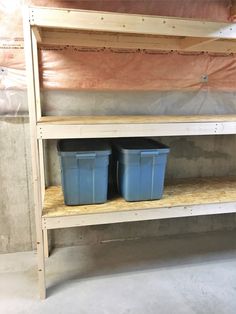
(83, 145)
(135, 145)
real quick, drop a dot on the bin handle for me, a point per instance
(149, 154)
(86, 156)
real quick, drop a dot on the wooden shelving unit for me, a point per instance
(44, 26)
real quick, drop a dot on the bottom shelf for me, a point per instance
(182, 198)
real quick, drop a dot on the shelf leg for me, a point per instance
(41, 269)
(34, 103)
(46, 243)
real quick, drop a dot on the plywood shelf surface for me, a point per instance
(201, 191)
(133, 119)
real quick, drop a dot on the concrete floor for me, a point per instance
(192, 274)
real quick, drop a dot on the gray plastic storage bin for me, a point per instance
(141, 168)
(84, 169)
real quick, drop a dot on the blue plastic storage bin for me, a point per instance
(141, 168)
(84, 169)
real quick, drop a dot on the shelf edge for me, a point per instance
(137, 215)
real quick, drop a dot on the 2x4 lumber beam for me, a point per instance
(124, 41)
(37, 33)
(29, 59)
(52, 131)
(38, 108)
(137, 215)
(190, 43)
(111, 126)
(104, 40)
(129, 23)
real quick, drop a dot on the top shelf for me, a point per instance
(59, 26)
(129, 23)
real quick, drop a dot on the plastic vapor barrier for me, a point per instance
(182, 82)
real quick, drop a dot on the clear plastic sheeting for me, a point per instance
(180, 81)
(11, 78)
(13, 102)
(138, 103)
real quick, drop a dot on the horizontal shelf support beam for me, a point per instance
(124, 41)
(55, 131)
(129, 23)
(137, 215)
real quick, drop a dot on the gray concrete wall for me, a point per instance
(190, 157)
(16, 210)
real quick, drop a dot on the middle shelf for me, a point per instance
(54, 127)
(182, 198)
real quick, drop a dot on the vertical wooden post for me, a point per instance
(38, 105)
(45, 243)
(35, 150)
(35, 37)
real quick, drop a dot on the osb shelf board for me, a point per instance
(181, 193)
(126, 119)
